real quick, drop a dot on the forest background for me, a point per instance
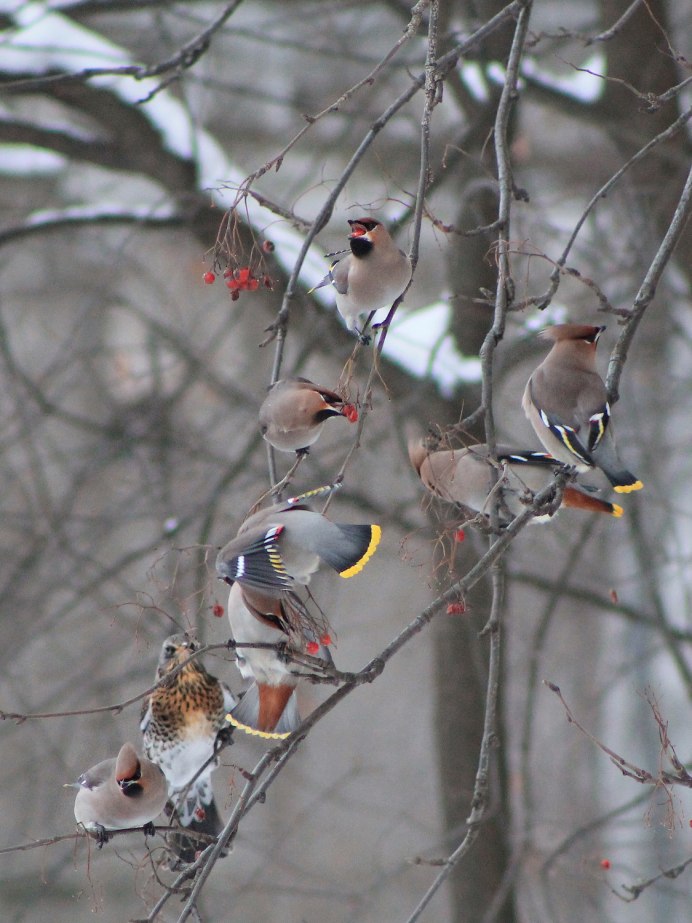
(534, 158)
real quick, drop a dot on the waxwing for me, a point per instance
(462, 476)
(181, 723)
(128, 791)
(295, 410)
(269, 708)
(283, 545)
(566, 403)
(371, 276)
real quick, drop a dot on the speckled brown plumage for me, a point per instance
(181, 722)
(194, 700)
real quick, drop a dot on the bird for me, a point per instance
(566, 402)
(181, 722)
(462, 476)
(371, 276)
(115, 794)
(295, 410)
(282, 546)
(269, 708)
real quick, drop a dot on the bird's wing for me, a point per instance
(253, 558)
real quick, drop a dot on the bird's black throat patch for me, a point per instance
(360, 246)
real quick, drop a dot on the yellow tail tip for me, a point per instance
(266, 735)
(617, 511)
(375, 536)
(628, 488)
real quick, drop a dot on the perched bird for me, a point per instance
(283, 545)
(128, 791)
(295, 410)
(181, 723)
(462, 476)
(269, 708)
(371, 276)
(566, 403)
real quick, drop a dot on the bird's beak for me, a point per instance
(357, 230)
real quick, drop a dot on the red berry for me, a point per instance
(244, 274)
(605, 864)
(459, 535)
(200, 813)
(209, 278)
(312, 647)
(217, 610)
(326, 640)
(456, 609)
(227, 273)
(253, 285)
(235, 295)
(350, 413)
(268, 246)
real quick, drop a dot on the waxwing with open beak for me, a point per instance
(295, 411)
(371, 276)
(269, 708)
(463, 477)
(128, 791)
(566, 403)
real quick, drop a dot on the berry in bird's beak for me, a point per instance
(357, 230)
(350, 413)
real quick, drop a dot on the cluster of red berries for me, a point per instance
(240, 280)
(456, 609)
(312, 647)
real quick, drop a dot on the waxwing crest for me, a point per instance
(587, 332)
(128, 769)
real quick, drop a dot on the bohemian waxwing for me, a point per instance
(128, 791)
(181, 722)
(566, 403)
(295, 410)
(462, 476)
(371, 276)
(282, 545)
(269, 708)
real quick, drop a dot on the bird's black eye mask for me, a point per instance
(593, 337)
(131, 786)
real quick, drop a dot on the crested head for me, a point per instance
(587, 333)
(366, 234)
(417, 453)
(127, 765)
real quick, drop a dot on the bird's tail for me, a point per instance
(605, 456)
(578, 500)
(267, 711)
(350, 548)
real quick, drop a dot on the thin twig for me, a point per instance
(647, 290)
(188, 55)
(542, 301)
